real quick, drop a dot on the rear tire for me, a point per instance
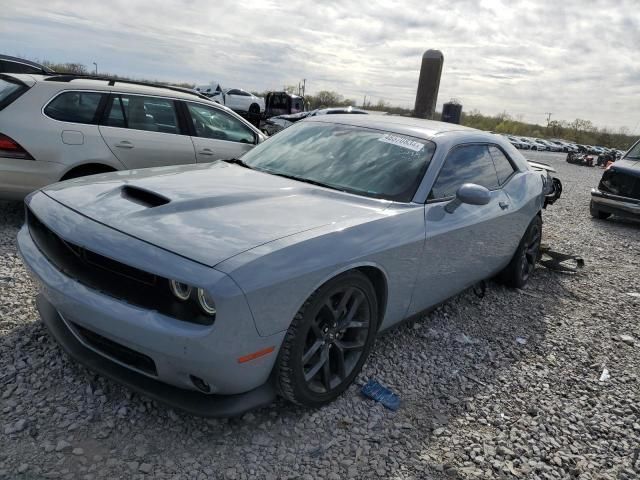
(521, 266)
(328, 341)
(597, 213)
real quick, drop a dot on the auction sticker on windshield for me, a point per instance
(401, 142)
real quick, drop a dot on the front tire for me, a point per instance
(597, 213)
(328, 341)
(517, 273)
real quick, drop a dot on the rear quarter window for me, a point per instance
(9, 91)
(503, 165)
(76, 107)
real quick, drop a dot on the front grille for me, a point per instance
(111, 277)
(116, 351)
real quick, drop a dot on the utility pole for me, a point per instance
(96, 65)
(304, 86)
(548, 114)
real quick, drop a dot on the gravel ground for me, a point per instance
(507, 386)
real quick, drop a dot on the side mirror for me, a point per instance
(471, 194)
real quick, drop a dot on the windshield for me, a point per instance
(353, 159)
(634, 152)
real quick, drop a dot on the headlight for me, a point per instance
(207, 305)
(182, 291)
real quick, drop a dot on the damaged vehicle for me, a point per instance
(552, 186)
(215, 287)
(275, 124)
(618, 192)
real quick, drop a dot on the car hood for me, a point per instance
(210, 212)
(629, 166)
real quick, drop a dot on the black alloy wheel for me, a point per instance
(523, 262)
(328, 341)
(531, 251)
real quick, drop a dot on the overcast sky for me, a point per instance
(574, 58)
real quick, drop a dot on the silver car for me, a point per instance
(56, 127)
(215, 287)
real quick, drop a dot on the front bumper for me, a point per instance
(20, 177)
(622, 206)
(177, 351)
(189, 401)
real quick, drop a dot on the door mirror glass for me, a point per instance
(471, 194)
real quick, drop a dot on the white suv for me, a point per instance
(56, 127)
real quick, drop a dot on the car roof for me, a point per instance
(416, 127)
(341, 109)
(70, 82)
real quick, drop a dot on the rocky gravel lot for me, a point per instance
(505, 386)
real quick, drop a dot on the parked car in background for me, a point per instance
(273, 125)
(214, 287)
(516, 142)
(239, 100)
(10, 64)
(538, 144)
(527, 141)
(592, 149)
(283, 103)
(564, 146)
(58, 127)
(618, 192)
(552, 147)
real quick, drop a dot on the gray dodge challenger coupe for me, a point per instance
(215, 287)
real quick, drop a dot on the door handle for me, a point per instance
(206, 151)
(124, 144)
(503, 205)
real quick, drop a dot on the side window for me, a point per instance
(466, 164)
(233, 92)
(153, 114)
(503, 165)
(76, 107)
(210, 122)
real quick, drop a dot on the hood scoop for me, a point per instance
(142, 196)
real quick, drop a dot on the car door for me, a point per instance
(145, 131)
(217, 135)
(237, 100)
(466, 246)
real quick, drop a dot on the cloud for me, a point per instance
(570, 58)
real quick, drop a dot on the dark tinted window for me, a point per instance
(14, 67)
(504, 168)
(77, 107)
(358, 160)
(9, 91)
(153, 114)
(468, 164)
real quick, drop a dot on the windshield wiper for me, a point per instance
(237, 161)
(306, 180)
